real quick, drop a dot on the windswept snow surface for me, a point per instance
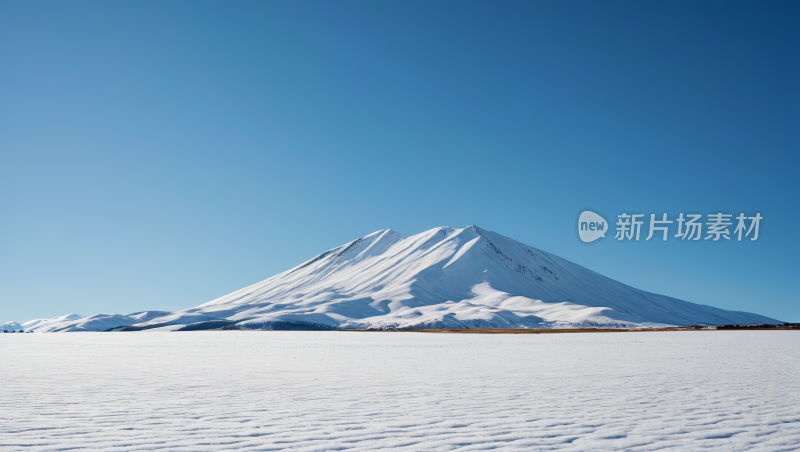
(446, 278)
(311, 391)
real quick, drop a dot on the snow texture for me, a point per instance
(441, 278)
(311, 391)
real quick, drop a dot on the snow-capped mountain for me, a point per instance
(444, 278)
(11, 327)
(97, 322)
(46, 325)
(441, 278)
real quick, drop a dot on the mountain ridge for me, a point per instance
(441, 278)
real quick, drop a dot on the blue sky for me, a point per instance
(157, 155)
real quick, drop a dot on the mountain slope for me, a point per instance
(444, 278)
(44, 325)
(97, 322)
(11, 327)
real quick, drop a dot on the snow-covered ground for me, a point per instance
(277, 390)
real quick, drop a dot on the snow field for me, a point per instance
(285, 390)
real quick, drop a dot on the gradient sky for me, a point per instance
(157, 155)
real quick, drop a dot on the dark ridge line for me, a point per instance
(317, 259)
(350, 246)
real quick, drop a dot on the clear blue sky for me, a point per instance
(157, 155)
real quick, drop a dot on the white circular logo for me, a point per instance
(591, 226)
